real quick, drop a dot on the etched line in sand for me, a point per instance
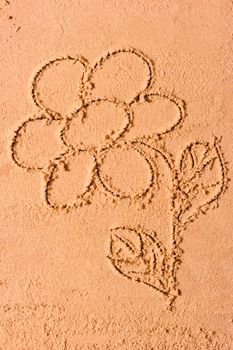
(4, 3)
(15, 143)
(156, 114)
(112, 85)
(140, 256)
(102, 153)
(37, 95)
(121, 161)
(70, 183)
(29, 147)
(91, 127)
(124, 157)
(201, 181)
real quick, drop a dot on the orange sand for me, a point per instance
(116, 138)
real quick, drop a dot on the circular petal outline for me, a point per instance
(35, 95)
(128, 145)
(134, 144)
(148, 98)
(89, 72)
(14, 143)
(113, 139)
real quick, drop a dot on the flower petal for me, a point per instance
(36, 142)
(121, 74)
(55, 86)
(70, 181)
(156, 114)
(97, 124)
(118, 165)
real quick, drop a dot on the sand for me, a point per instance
(115, 162)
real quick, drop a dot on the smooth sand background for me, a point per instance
(57, 289)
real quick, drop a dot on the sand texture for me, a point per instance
(115, 166)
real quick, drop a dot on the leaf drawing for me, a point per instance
(201, 179)
(140, 257)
